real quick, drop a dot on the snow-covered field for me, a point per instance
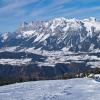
(15, 61)
(53, 57)
(72, 89)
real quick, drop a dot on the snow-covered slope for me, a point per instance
(73, 89)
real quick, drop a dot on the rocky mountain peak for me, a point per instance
(56, 34)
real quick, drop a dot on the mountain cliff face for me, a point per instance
(56, 34)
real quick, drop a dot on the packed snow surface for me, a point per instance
(72, 89)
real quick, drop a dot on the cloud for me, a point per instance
(84, 10)
(54, 6)
(13, 5)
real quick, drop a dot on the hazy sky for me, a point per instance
(13, 12)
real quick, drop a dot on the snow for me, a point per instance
(97, 75)
(95, 64)
(93, 19)
(4, 37)
(57, 22)
(9, 49)
(52, 27)
(74, 24)
(54, 57)
(44, 37)
(89, 24)
(96, 50)
(64, 56)
(91, 47)
(72, 89)
(46, 24)
(39, 37)
(65, 29)
(15, 61)
(28, 33)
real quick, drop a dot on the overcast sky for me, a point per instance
(14, 12)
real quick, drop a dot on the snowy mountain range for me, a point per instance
(56, 34)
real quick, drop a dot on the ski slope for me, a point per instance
(72, 89)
